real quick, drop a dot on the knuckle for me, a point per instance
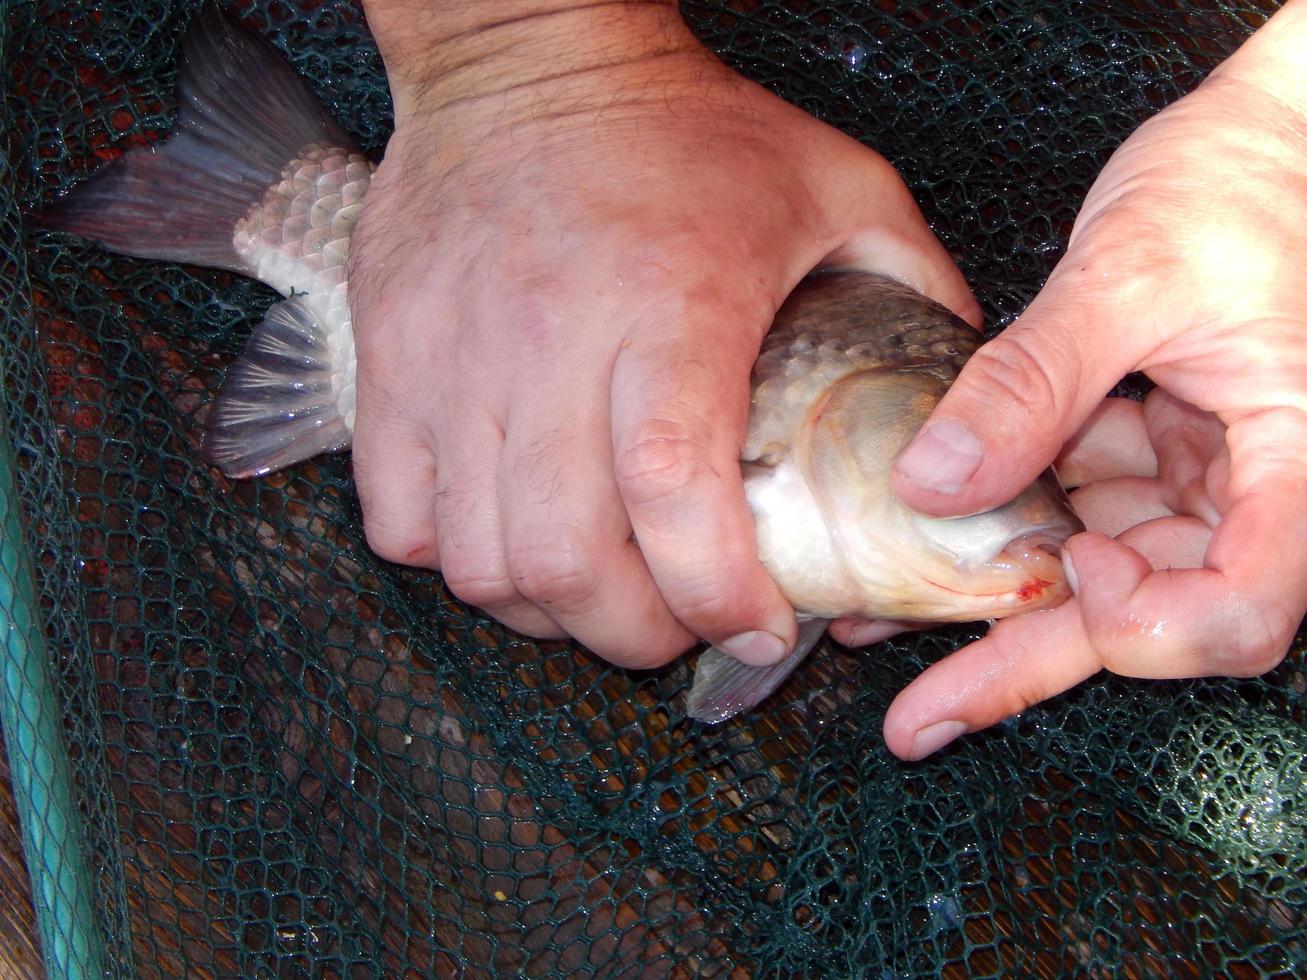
(1246, 643)
(479, 583)
(1099, 243)
(399, 546)
(706, 605)
(537, 313)
(646, 657)
(554, 570)
(1024, 693)
(1263, 642)
(1145, 646)
(538, 627)
(660, 460)
(1025, 688)
(1011, 370)
(384, 333)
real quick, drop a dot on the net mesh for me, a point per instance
(293, 759)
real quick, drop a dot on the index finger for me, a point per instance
(679, 413)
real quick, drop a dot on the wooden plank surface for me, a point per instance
(20, 950)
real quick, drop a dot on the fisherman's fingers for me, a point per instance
(395, 476)
(1121, 480)
(1115, 505)
(679, 399)
(566, 534)
(1018, 401)
(1192, 457)
(865, 632)
(470, 525)
(1113, 442)
(1023, 660)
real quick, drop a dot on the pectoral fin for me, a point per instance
(723, 687)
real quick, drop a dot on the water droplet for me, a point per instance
(945, 913)
(845, 49)
(854, 56)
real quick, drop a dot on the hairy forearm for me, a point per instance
(440, 53)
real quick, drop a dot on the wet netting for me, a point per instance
(289, 758)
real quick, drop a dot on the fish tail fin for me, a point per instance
(243, 115)
(723, 687)
(281, 401)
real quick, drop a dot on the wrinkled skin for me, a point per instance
(1185, 263)
(558, 294)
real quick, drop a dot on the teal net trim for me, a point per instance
(53, 844)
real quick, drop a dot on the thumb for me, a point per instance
(1015, 404)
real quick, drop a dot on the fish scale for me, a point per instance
(296, 239)
(833, 334)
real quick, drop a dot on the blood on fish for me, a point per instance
(1032, 589)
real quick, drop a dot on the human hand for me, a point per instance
(563, 272)
(1185, 263)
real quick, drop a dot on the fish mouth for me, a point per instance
(1035, 561)
(1036, 550)
(1038, 555)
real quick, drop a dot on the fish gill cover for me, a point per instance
(294, 759)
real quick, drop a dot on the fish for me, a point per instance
(256, 178)
(850, 370)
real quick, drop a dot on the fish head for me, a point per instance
(901, 564)
(1001, 561)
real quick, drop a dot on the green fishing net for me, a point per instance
(289, 758)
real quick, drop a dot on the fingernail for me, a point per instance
(934, 737)
(1069, 570)
(757, 648)
(942, 457)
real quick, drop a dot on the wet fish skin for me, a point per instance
(835, 323)
(852, 367)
